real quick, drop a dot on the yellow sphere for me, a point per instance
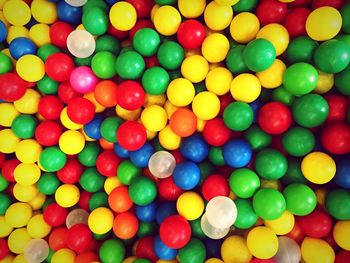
(111, 183)
(18, 214)
(218, 80)
(217, 17)
(154, 118)
(244, 27)
(170, 108)
(191, 9)
(200, 125)
(190, 205)
(315, 250)
(215, 47)
(25, 193)
(123, 16)
(213, 260)
(127, 114)
(8, 141)
(129, 259)
(30, 68)
(91, 97)
(40, 34)
(153, 11)
(154, 100)
(68, 123)
(19, 259)
(323, 23)
(44, 11)
(325, 82)
(67, 195)
(195, 68)
(8, 114)
(18, 240)
(180, 92)
(169, 139)
(100, 220)
(341, 234)
(151, 135)
(17, 12)
(271, 78)
(206, 105)
(71, 142)
(37, 227)
(27, 174)
(227, 2)
(38, 201)
(318, 167)
(234, 249)
(262, 242)
(5, 228)
(282, 225)
(28, 104)
(2, 17)
(16, 31)
(245, 87)
(277, 35)
(8, 259)
(167, 20)
(63, 255)
(25, 155)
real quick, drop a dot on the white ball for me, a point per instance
(76, 3)
(77, 216)
(211, 231)
(288, 251)
(81, 43)
(162, 164)
(221, 212)
(36, 250)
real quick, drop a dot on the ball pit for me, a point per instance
(172, 131)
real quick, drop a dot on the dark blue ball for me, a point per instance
(141, 157)
(187, 175)
(146, 213)
(92, 129)
(237, 153)
(3, 31)
(21, 46)
(165, 210)
(255, 105)
(194, 148)
(68, 13)
(163, 251)
(213, 247)
(120, 151)
(342, 175)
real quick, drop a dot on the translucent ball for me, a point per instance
(36, 250)
(81, 43)
(221, 212)
(211, 231)
(288, 251)
(162, 164)
(76, 2)
(77, 216)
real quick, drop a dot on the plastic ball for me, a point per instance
(217, 17)
(17, 13)
(125, 225)
(269, 203)
(130, 65)
(180, 92)
(215, 47)
(238, 116)
(83, 79)
(71, 142)
(300, 199)
(288, 251)
(318, 167)
(295, 21)
(175, 231)
(244, 182)
(221, 212)
(206, 105)
(131, 135)
(277, 35)
(298, 141)
(64, 254)
(340, 234)
(237, 153)
(271, 164)
(59, 66)
(170, 55)
(142, 190)
(21, 219)
(186, 175)
(337, 204)
(318, 224)
(146, 41)
(18, 240)
(100, 220)
(247, 32)
(155, 80)
(183, 122)
(262, 242)
(30, 68)
(36, 250)
(211, 231)
(112, 250)
(79, 237)
(195, 62)
(313, 247)
(194, 148)
(235, 248)
(37, 227)
(192, 10)
(261, 49)
(21, 46)
(162, 164)
(342, 175)
(190, 205)
(67, 195)
(123, 16)
(81, 43)
(215, 132)
(55, 215)
(76, 216)
(191, 33)
(154, 118)
(282, 225)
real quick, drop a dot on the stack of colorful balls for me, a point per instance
(169, 131)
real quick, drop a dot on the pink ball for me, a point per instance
(83, 79)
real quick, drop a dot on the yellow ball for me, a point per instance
(40, 34)
(71, 142)
(341, 234)
(151, 135)
(213, 260)
(18, 240)
(8, 114)
(206, 105)
(154, 118)
(215, 47)
(111, 183)
(180, 92)
(8, 141)
(28, 104)
(30, 68)
(5, 228)
(25, 155)
(91, 97)
(63, 255)
(100, 220)
(8, 259)
(227, 2)
(318, 167)
(191, 9)
(37, 227)
(277, 35)
(25, 193)
(126, 114)
(27, 174)
(44, 11)
(244, 27)
(323, 23)
(190, 205)
(123, 16)
(275, 184)
(167, 20)
(195, 68)
(234, 249)
(67, 195)
(18, 214)
(20, 259)
(153, 11)
(262, 242)
(17, 12)
(313, 249)
(170, 108)
(38, 201)
(218, 80)
(325, 82)
(154, 100)
(282, 225)
(200, 125)
(271, 78)
(217, 17)
(321, 195)
(245, 87)
(16, 31)
(168, 139)
(129, 259)
(68, 123)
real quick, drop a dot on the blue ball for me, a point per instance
(21, 46)
(68, 13)
(165, 210)
(3, 31)
(194, 148)
(237, 153)
(163, 251)
(141, 157)
(342, 175)
(255, 105)
(146, 213)
(213, 247)
(120, 151)
(92, 129)
(187, 175)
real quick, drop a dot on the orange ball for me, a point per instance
(125, 225)
(183, 122)
(119, 199)
(87, 256)
(106, 93)
(106, 145)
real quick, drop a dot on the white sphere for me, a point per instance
(162, 164)
(221, 212)
(211, 231)
(77, 216)
(36, 250)
(76, 3)
(81, 43)
(288, 251)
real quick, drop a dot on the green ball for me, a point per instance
(234, 60)
(83, 61)
(193, 252)
(215, 156)
(259, 54)
(300, 199)
(23, 126)
(310, 110)
(47, 50)
(301, 49)
(108, 43)
(91, 180)
(206, 169)
(147, 229)
(165, 2)
(300, 78)
(112, 251)
(298, 141)
(271, 164)
(269, 204)
(238, 116)
(155, 80)
(345, 14)
(109, 127)
(3, 183)
(102, 64)
(98, 199)
(5, 202)
(95, 21)
(47, 202)
(257, 138)
(174, 74)
(170, 55)
(282, 95)
(246, 216)
(47, 85)
(245, 5)
(95, 3)
(5, 63)
(142, 260)
(89, 154)
(127, 171)
(294, 173)
(48, 183)
(342, 80)
(142, 190)
(244, 182)
(146, 41)
(197, 229)
(338, 204)
(102, 236)
(130, 65)
(345, 39)
(52, 159)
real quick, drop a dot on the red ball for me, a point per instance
(107, 163)
(143, 7)
(342, 257)
(59, 32)
(336, 138)
(81, 110)
(298, 3)
(50, 107)
(67, 93)
(175, 231)
(317, 224)
(296, 233)
(2, 159)
(271, 11)
(59, 66)
(168, 190)
(216, 133)
(58, 238)
(337, 4)
(85, 257)
(131, 135)
(258, 260)
(79, 237)
(71, 172)
(338, 106)
(125, 225)
(191, 34)
(221, 187)
(274, 118)
(4, 249)
(121, 35)
(12, 87)
(84, 200)
(139, 25)
(48, 133)
(295, 22)
(145, 249)
(55, 215)
(130, 95)
(151, 61)
(225, 100)
(8, 168)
